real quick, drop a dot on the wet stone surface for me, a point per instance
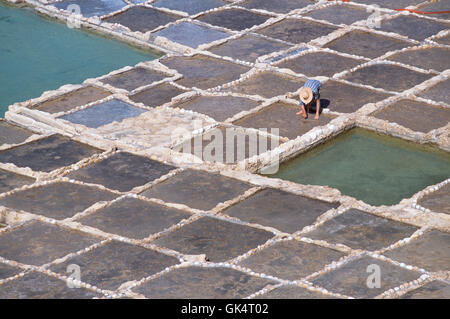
(36, 285)
(360, 230)
(284, 117)
(248, 48)
(431, 58)
(439, 92)
(320, 64)
(91, 8)
(191, 34)
(219, 108)
(415, 115)
(438, 201)
(12, 134)
(345, 98)
(366, 44)
(142, 19)
(190, 283)
(7, 271)
(234, 19)
(204, 72)
(340, 14)
(47, 154)
(267, 84)
(189, 6)
(57, 200)
(71, 100)
(279, 6)
(39, 243)
(293, 292)
(122, 172)
(264, 208)
(443, 40)
(432, 290)
(227, 145)
(413, 27)
(115, 263)
(134, 78)
(134, 218)
(391, 5)
(291, 260)
(297, 31)
(351, 279)
(197, 189)
(157, 95)
(388, 77)
(217, 239)
(430, 251)
(435, 6)
(103, 114)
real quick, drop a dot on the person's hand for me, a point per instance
(316, 117)
(304, 115)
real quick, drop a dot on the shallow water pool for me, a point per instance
(37, 55)
(374, 168)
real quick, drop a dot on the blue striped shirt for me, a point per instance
(315, 86)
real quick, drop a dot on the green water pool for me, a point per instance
(374, 168)
(37, 55)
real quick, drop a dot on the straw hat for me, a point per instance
(306, 95)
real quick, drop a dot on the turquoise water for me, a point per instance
(37, 55)
(374, 168)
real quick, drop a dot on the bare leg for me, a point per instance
(317, 109)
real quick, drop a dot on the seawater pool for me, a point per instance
(375, 168)
(37, 54)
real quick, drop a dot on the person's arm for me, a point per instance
(317, 109)
(303, 111)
